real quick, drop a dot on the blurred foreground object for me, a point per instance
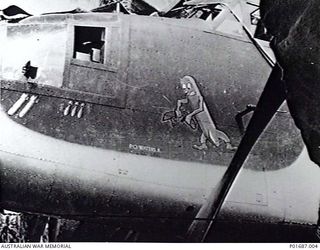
(294, 25)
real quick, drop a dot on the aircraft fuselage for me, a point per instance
(93, 126)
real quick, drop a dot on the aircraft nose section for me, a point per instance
(30, 176)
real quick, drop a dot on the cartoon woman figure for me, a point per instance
(201, 114)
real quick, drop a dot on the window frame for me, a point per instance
(107, 67)
(106, 34)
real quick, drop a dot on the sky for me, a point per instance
(36, 7)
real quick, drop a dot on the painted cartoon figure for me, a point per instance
(201, 114)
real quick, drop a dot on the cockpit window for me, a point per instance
(89, 44)
(35, 53)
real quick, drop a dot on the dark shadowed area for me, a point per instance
(294, 25)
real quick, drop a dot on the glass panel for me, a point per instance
(41, 48)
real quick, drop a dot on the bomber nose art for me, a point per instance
(199, 114)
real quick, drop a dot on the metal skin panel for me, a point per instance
(87, 79)
(149, 85)
(156, 66)
(82, 174)
(73, 181)
(292, 195)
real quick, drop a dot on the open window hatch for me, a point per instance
(89, 44)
